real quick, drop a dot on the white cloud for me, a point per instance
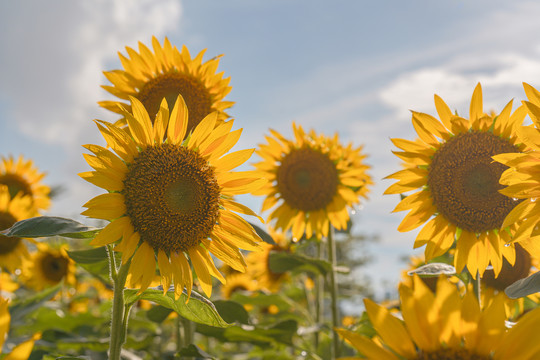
(52, 72)
(501, 76)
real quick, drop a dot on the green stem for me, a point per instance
(333, 291)
(119, 311)
(178, 333)
(189, 329)
(476, 288)
(319, 295)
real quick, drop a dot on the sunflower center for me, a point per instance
(464, 181)
(450, 354)
(54, 267)
(7, 244)
(172, 197)
(15, 184)
(307, 179)
(169, 86)
(509, 274)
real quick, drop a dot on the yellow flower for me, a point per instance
(259, 264)
(12, 249)
(172, 198)
(7, 282)
(522, 180)
(237, 282)
(445, 325)
(47, 267)
(167, 73)
(459, 183)
(313, 181)
(523, 267)
(21, 176)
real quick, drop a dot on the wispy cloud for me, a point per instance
(54, 79)
(52, 71)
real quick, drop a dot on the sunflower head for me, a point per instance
(23, 178)
(259, 263)
(170, 197)
(313, 181)
(457, 183)
(237, 282)
(48, 266)
(167, 73)
(440, 325)
(20, 207)
(521, 180)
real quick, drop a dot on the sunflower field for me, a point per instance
(170, 263)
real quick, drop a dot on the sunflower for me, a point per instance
(12, 249)
(21, 176)
(172, 199)
(259, 264)
(167, 73)
(313, 181)
(7, 282)
(522, 181)
(523, 267)
(459, 183)
(237, 282)
(446, 326)
(48, 267)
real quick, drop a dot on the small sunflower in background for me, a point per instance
(313, 182)
(258, 264)
(48, 267)
(524, 266)
(166, 73)
(444, 325)
(172, 199)
(521, 179)
(237, 281)
(22, 177)
(458, 183)
(12, 249)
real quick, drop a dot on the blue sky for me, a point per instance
(352, 67)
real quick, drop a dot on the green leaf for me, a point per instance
(264, 300)
(89, 256)
(43, 226)
(23, 307)
(280, 333)
(158, 314)
(232, 311)
(282, 261)
(524, 287)
(263, 234)
(433, 269)
(193, 351)
(95, 261)
(198, 309)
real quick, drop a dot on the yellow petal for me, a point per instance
(140, 124)
(111, 232)
(203, 129)
(205, 280)
(366, 346)
(233, 160)
(106, 206)
(390, 329)
(178, 122)
(476, 110)
(165, 269)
